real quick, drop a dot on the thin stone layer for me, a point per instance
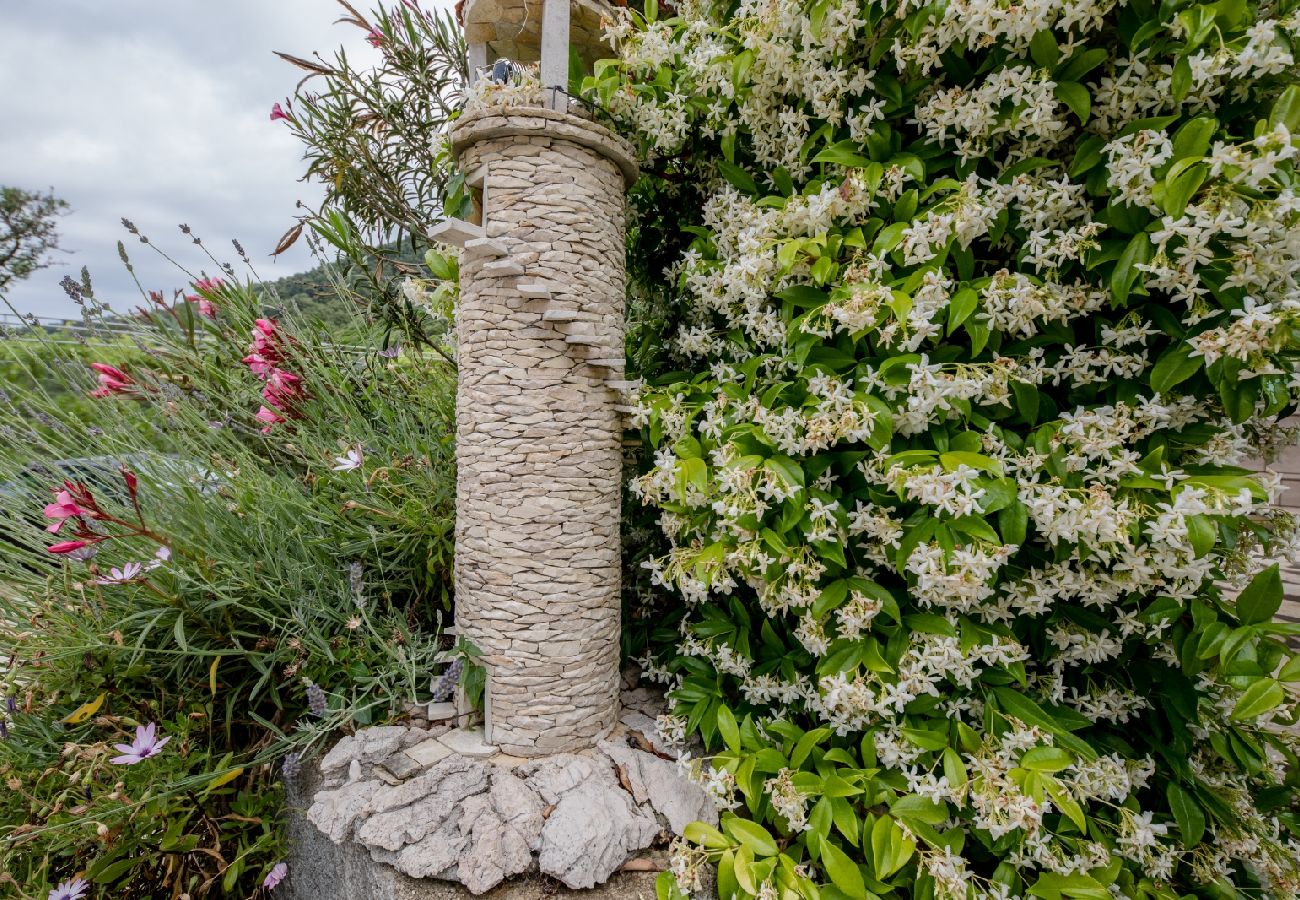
(539, 455)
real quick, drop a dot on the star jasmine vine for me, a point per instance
(959, 324)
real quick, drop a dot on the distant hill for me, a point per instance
(316, 296)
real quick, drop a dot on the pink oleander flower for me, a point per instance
(278, 113)
(375, 37)
(129, 572)
(276, 875)
(73, 889)
(112, 380)
(207, 308)
(63, 508)
(146, 745)
(67, 546)
(349, 461)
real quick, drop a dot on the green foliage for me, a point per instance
(28, 232)
(951, 386)
(313, 551)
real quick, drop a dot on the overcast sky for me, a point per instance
(157, 110)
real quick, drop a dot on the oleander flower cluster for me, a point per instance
(982, 315)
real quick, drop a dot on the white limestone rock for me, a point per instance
(369, 745)
(468, 742)
(407, 813)
(646, 727)
(663, 785)
(429, 752)
(505, 829)
(591, 833)
(334, 812)
(554, 776)
(433, 856)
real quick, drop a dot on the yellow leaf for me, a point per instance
(225, 778)
(212, 675)
(85, 711)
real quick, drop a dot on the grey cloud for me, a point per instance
(157, 111)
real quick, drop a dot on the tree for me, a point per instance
(28, 232)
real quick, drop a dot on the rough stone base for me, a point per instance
(323, 870)
(396, 812)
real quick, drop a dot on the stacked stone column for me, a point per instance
(539, 435)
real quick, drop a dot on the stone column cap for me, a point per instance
(534, 121)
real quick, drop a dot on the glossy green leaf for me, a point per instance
(1259, 698)
(1187, 813)
(1262, 598)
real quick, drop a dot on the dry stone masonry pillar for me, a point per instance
(539, 430)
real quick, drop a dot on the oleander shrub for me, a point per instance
(965, 321)
(251, 549)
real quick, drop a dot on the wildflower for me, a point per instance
(63, 508)
(291, 766)
(112, 380)
(128, 572)
(73, 889)
(357, 583)
(349, 461)
(317, 701)
(276, 875)
(391, 352)
(375, 37)
(146, 745)
(283, 390)
(161, 555)
(267, 349)
(206, 286)
(4, 729)
(270, 417)
(68, 546)
(443, 687)
(278, 113)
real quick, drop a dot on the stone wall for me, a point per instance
(539, 429)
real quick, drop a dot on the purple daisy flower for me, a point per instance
(75, 889)
(146, 744)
